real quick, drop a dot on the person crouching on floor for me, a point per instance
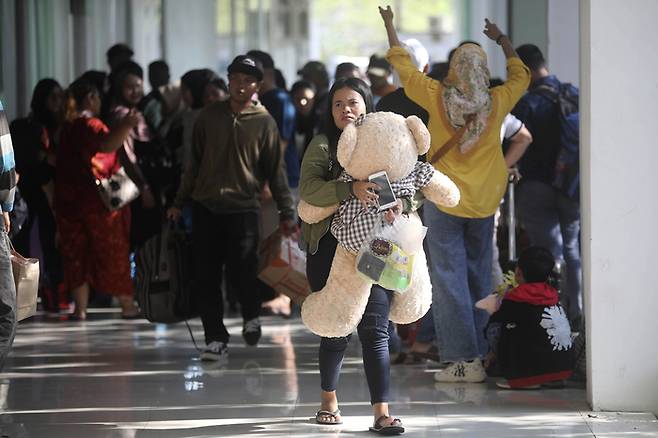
(530, 332)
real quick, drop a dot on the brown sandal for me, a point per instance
(395, 428)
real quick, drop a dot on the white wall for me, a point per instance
(563, 33)
(190, 35)
(619, 109)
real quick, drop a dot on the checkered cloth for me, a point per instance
(353, 223)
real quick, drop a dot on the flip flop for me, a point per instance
(395, 428)
(324, 413)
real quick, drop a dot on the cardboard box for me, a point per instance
(283, 267)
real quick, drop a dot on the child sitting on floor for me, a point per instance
(530, 333)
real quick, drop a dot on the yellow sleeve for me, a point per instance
(518, 79)
(417, 85)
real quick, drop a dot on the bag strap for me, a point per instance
(454, 140)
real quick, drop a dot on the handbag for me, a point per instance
(26, 279)
(118, 190)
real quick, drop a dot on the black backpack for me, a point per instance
(566, 177)
(164, 289)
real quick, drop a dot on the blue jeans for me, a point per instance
(373, 334)
(7, 300)
(461, 254)
(553, 221)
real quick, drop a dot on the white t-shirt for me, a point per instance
(511, 125)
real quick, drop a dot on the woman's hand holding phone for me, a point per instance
(365, 192)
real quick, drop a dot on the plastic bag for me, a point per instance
(387, 255)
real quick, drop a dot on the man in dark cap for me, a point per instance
(279, 104)
(235, 151)
(379, 73)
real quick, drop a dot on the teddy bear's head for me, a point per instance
(382, 141)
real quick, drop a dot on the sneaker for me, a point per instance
(251, 331)
(464, 372)
(214, 351)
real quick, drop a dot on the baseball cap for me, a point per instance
(378, 66)
(264, 58)
(417, 52)
(247, 65)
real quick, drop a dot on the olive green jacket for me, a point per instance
(318, 185)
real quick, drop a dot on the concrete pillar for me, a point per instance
(619, 105)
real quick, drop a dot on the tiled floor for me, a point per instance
(112, 378)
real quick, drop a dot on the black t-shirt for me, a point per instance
(398, 102)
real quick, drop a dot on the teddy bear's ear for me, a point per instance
(420, 133)
(346, 145)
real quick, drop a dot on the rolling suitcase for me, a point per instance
(164, 289)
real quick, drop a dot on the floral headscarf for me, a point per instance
(466, 92)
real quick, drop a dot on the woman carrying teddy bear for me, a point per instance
(349, 98)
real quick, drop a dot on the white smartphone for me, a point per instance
(387, 198)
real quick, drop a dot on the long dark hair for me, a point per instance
(329, 128)
(40, 111)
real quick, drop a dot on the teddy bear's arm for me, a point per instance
(441, 190)
(312, 214)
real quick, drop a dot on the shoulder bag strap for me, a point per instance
(453, 141)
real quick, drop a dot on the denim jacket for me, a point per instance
(540, 116)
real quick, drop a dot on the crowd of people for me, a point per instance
(216, 155)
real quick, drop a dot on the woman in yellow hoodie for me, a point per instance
(464, 121)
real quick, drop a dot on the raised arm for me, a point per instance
(387, 16)
(118, 134)
(492, 31)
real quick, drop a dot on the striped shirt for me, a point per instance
(7, 165)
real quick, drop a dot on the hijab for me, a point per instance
(466, 92)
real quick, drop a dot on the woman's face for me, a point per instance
(132, 90)
(93, 103)
(303, 100)
(346, 106)
(55, 100)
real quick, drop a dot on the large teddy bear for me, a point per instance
(377, 141)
